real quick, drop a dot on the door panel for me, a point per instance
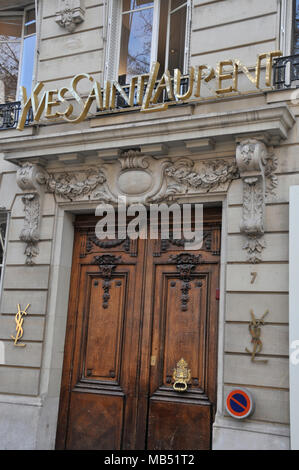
(86, 412)
(184, 323)
(167, 426)
(104, 328)
(136, 309)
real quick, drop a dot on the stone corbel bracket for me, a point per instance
(254, 161)
(70, 14)
(31, 179)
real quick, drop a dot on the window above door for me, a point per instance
(144, 31)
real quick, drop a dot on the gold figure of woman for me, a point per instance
(19, 325)
(255, 331)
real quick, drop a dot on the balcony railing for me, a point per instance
(9, 115)
(286, 72)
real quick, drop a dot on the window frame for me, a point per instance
(32, 6)
(22, 13)
(112, 55)
(5, 249)
(287, 9)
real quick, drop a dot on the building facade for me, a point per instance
(158, 102)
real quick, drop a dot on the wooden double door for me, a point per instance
(140, 356)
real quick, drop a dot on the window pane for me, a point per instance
(3, 222)
(10, 28)
(296, 30)
(10, 45)
(28, 62)
(135, 4)
(135, 49)
(162, 36)
(177, 3)
(30, 23)
(177, 40)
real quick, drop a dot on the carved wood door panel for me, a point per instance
(136, 309)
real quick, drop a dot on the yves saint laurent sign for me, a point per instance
(146, 92)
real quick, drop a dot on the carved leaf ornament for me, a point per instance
(165, 180)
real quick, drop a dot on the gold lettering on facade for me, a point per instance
(19, 325)
(224, 75)
(202, 72)
(144, 90)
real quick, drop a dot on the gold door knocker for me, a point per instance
(181, 376)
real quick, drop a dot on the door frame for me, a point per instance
(57, 311)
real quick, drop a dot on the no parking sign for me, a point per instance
(239, 403)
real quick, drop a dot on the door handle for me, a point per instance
(181, 376)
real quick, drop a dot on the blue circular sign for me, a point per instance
(239, 403)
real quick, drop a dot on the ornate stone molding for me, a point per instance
(30, 232)
(141, 178)
(146, 179)
(133, 159)
(31, 179)
(208, 175)
(70, 14)
(74, 185)
(256, 166)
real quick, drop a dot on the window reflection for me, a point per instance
(28, 62)
(134, 4)
(29, 44)
(137, 48)
(3, 225)
(10, 46)
(11, 28)
(296, 29)
(136, 39)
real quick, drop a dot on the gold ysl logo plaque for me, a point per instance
(255, 331)
(19, 319)
(181, 376)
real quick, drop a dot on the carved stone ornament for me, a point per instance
(210, 174)
(143, 179)
(256, 165)
(31, 179)
(188, 177)
(73, 185)
(70, 14)
(30, 231)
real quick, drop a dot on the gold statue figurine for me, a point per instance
(255, 331)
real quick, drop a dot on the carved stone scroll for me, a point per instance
(70, 14)
(30, 179)
(253, 161)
